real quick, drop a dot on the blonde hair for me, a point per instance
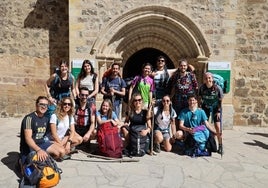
(110, 111)
(60, 112)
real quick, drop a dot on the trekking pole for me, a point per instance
(152, 131)
(104, 158)
(221, 132)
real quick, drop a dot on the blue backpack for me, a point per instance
(219, 80)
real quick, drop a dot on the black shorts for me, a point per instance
(81, 130)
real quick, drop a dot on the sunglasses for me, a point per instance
(84, 95)
(137, 100)
(166, 101)
(67, 104)
(42, 105)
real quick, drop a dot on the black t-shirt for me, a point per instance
(138, 119)
(39, 126)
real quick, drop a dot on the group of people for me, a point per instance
(169, 99)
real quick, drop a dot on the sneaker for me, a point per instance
(157, 148)
(220, 150)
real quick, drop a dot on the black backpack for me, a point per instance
(137, 142)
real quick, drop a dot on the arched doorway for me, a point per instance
(133, 65)
(146, 32)
(150, 29)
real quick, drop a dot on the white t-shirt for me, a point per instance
(87, 82)
(163, 119)
(63, 125)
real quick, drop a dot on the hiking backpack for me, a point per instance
(219, 80)
(197, 144)
(43, 174)
(109, 142)
(54, 85)
(51, 108)
(137, 142)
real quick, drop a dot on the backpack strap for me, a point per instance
(94, 78)
(70, 78)
(57, 121)
(166, 76)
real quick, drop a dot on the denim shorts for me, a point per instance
(165, 133)
(44, 145)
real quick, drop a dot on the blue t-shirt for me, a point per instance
(193, 119)
(105, 117)
(115, 83)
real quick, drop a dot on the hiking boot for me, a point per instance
(157, 148)
(125, 153)
(220, 150)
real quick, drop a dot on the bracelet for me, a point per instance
(38, 150)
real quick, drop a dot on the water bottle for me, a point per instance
(28, 170)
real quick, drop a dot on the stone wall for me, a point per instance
(34, 36)
(251, 65)
(216, 20)
(235, 30)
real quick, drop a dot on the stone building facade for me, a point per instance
(37, 33)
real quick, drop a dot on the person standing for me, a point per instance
(59, 85)
(211, 96)
(89, 79)
(161, 77)
(84, 118)
(144, 85)
(114, 88)
(34, 134)
(184, 83)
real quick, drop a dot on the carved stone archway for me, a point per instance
(157, 27)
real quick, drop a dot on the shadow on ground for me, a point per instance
(11, 161)
(257, 143)
(260, 134)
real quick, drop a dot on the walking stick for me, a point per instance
(221, 132)
(152, 132)
(104, 159)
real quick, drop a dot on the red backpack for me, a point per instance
(109, 141)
